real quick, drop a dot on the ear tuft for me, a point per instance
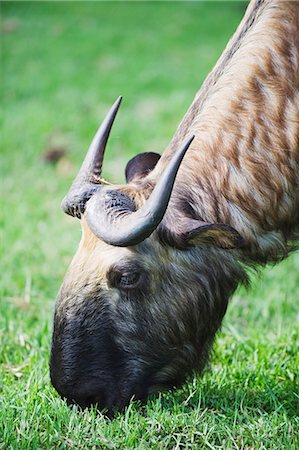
(185, 232)
(141, 165)
(218, 234)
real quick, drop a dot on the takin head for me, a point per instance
(145, 293)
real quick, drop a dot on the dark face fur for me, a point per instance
(130, 321)
(142, 314)
(147, 289)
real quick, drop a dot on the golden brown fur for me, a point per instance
(243, 166)
(113, 340)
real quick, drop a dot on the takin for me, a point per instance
(161, 256)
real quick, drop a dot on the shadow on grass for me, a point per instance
(273, 396)
(234, 402)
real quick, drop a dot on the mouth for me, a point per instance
(106, 402)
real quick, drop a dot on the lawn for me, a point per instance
(63, 65)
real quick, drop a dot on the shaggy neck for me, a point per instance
(242, 168)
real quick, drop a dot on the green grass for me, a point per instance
(63, 64)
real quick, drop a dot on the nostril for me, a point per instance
(91, 400)
(87, 400)
(83, 402)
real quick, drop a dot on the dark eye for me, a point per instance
(128, 276)
(128, 280)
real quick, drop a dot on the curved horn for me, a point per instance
(88, 179)
(112, 216)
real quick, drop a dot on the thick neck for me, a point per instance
(242, 168)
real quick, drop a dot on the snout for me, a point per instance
(87, 367)
(88, 395)
(105, 398)
(85, 397)
(103, 390)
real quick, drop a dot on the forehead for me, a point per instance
(95, 256)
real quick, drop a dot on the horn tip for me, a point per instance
(192, 137)
(187, 144)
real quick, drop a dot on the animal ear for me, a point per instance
(139, 166)
(186, 232)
